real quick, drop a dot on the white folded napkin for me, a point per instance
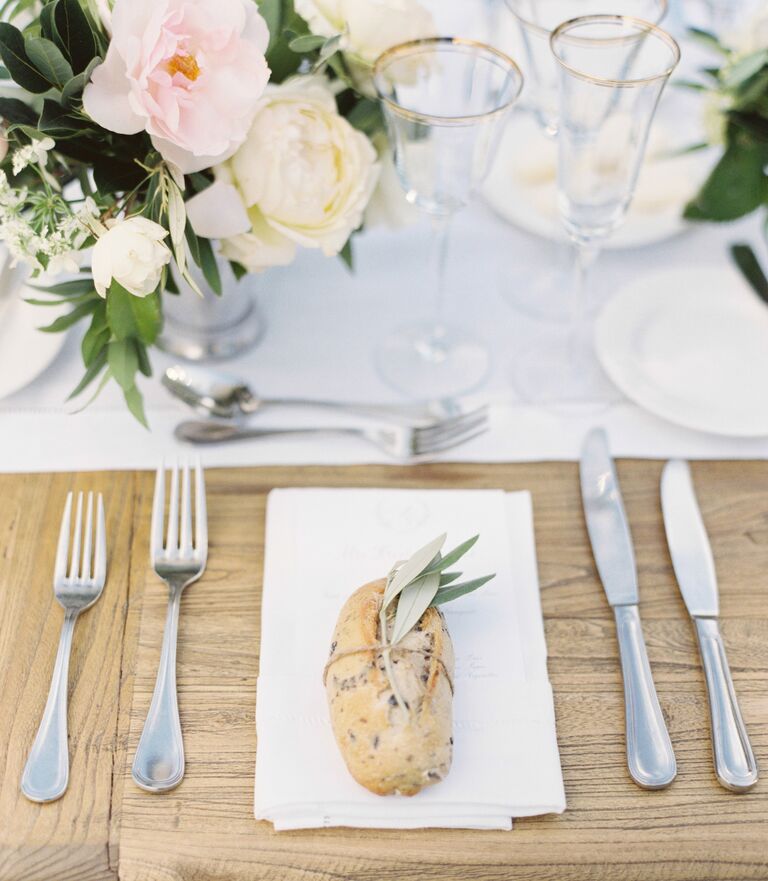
(323, 544)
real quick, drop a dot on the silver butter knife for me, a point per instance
(691, 554)
(650, 757)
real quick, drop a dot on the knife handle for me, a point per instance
(735, 763)
(650, 757)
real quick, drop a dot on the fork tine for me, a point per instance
(454, 431)
(74, 563)
(449, 445)
(100, 557)
(453, 422)
(172, 539)
(158, 511)
(201, 517)
(85, 569)
(60, 570)
(185, 540)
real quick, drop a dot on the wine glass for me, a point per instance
(537, 19)
(546, 294)
(444, 101)
(612, 71)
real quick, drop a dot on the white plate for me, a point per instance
(521, 186)
(25, 352)
(691, 346)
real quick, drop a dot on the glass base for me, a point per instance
(561, 374)
(427, 362)
(548, 294)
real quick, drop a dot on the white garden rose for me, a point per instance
(132, 253)
(368, 26)
(303, 177)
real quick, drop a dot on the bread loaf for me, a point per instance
(388, 748)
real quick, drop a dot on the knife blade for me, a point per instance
(692, 560)
(650, 757)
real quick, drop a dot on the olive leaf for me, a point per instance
(446, 594)
(414, 600)
(412, 568)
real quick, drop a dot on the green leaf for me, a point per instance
(753, 123)
(68, 288)
(13, 110)
(346, 255)
(65, 321)
(192, 243)
(446, 594)
(136, 404)
(96, 337)
(75, 33)
(271, 11)
(145, 365)
(736, 186)
(123, 362)
(47, 25)
(414, 600)
(745, 259)
(90, 374)
(57, 121)
(449, 577)
(366, 116)
(449, 559)
(745, 68)
(47, 58)
(15, 58)
(412, 568)
(209, 266)
(131, 316)
(238, 269)
(306, 43)
(708, 40)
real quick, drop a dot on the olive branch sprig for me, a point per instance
(416, 584)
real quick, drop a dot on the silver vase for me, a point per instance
(211, 327)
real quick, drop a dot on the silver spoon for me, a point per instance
(211, 393)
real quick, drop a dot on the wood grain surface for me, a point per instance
(204, 831)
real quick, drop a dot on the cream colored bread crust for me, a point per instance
(386, 748)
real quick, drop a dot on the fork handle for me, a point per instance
(159, 761)
(200, 432)
(46, 773)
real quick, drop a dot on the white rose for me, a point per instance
(369, 26)
(303, 177)
(132, 253)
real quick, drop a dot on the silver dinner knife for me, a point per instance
(650, 757)
(691, 554)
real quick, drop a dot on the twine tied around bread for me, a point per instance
(382, 647)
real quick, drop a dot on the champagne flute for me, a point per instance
(546, 294)
(612, 71)
(444, 101)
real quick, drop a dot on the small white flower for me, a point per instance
(132, 253)
(37, 152)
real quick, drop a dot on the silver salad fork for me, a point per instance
(46, 773)
(159, 761)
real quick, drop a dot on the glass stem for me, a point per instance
(433, 349)
(584, 258)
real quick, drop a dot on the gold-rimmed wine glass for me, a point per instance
(444, 100)
(612, 71)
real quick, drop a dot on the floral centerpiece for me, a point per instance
(150, 135)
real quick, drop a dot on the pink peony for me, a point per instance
(188, 72)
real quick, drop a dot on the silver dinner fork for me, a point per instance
(404, 442)
(159, 761)
(46, 773)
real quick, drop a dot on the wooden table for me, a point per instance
(105, 827)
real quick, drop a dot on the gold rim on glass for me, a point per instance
(405, 49)
(547, 32)
(642, 25)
